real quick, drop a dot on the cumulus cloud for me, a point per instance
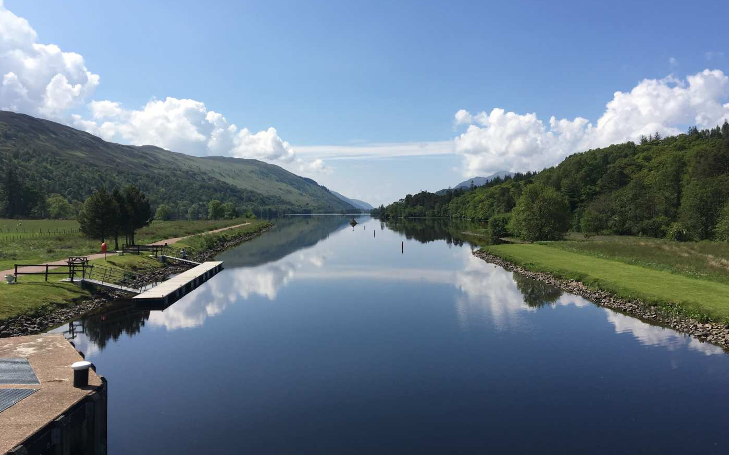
(39, 79)
(42, 80)
(500, 140)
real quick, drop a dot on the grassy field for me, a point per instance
(32, 293)
(33, 249)
(703, 260)
(198, 243)
(650, 269)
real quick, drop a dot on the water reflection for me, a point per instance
(536, 293)
(651, 335)
(294, 255)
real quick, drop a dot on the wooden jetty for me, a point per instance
(177, 286)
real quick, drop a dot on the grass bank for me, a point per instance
(63, 241)
(653, 271)
(32, 295)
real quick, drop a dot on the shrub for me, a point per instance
(722, 227)
(542, 213)
(498, 227)
(677, 232)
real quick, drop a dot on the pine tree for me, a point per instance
(100, 216)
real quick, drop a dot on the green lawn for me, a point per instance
(34, 249)
(704, 260)
(11, 228)
(33, 294)
(655, 284)
(199, 243)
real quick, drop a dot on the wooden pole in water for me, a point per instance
(402, 248)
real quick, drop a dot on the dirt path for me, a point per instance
(55, 264)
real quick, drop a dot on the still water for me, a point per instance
(319, 337)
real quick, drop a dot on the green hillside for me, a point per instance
(676, 186)
(52, 158)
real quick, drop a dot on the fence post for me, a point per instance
(16, 273)
(46, 272)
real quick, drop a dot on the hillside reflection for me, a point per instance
(305, 256)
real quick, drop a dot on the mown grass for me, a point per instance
(9, 227)
(34, 295)
(119, 267)
(198, 243)
(703, 260)
(160, 230)
(696, 297)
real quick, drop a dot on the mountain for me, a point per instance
(477, 181)
(355, 202)
(52, 158)
(480, 181)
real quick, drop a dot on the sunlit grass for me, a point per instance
(705, 260)
(32, 294)
(696, 296)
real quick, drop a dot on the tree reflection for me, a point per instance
(426, 230)
(536, 294)
(113, 324)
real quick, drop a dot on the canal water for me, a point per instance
(323, 338)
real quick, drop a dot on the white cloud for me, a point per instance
(672, 61)
(39, 79)
(651, 335)
(377, 150)
(500, 140)
(463, 117)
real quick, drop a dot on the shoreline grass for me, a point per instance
(32, 294)
(38, 250)
(697, 297)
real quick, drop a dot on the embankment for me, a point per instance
(202, 248)
(665, 314)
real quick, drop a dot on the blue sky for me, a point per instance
(350, 74)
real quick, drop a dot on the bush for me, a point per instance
(542, 213)
(677, 232)
(721, 232)
(164, 212)
(498, 227)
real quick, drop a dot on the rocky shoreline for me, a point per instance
(714, 333)
(31, 324)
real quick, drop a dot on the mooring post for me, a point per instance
(402, 248)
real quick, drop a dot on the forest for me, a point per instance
(675, 187)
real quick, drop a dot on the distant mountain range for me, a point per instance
(478, 181)
(53, 158)
(355, 202)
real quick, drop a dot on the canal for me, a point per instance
(322, 338)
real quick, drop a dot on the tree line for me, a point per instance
(675, 187)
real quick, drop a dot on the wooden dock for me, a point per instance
(176, 287)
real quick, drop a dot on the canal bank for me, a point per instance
(711, 332)
(201, 247)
